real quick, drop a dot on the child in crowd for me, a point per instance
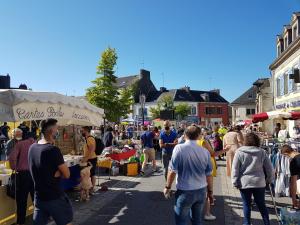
(85, 181)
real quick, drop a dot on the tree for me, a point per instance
(155, 112)
(182, 110)
(105, 94)
(166, 102)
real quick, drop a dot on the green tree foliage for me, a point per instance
(182, 110)
(166, 102)
(105, 94)
(155, 112)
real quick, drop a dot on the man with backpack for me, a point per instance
(89, 152)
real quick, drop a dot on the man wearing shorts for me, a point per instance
(89, 152)
(148, 149)
(47, 168)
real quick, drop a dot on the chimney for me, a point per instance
(186, 88)
(163, 89)
(216, 91)
(23, 87)
(5, 82)
(145, 74)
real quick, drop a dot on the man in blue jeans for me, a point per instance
(167, 142)
(192, 166)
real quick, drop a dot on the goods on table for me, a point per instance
(289, 216)
(4, 174)
(72, 160)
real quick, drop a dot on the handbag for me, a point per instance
(11, 188)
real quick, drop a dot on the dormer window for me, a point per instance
(286, 42)
(295, 32)
(278, 50)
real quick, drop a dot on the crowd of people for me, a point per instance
(188, 153)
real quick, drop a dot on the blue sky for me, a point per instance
(227, 44)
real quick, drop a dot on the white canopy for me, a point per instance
(24, 105)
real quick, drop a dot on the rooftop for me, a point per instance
(247, 98)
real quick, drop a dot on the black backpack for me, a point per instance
(99, 145)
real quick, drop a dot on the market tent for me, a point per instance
(24, 105)
(128, 120)
(244, 123)
(260, 117)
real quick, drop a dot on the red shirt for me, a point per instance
(20, 150)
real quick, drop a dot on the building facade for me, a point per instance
(244, 106)
(207, 107)
(264, 101)
(285, 70)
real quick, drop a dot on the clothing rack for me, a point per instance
(281, 164)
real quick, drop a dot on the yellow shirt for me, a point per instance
(212, 159)
(90, 141)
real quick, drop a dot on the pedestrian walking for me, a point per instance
(251, 170)
(18, 160)
(209, 198)
(148, 149)
(89, 152)
(167, 142)
(191, 165)
(231, 142)
(47, 168)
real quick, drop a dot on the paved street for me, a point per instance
(139, 201)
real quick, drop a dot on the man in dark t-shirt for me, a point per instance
(47, 167)
(295, 172)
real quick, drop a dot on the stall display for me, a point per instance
(24, 105)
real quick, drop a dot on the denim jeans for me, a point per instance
(166, 157)
(59, 209)
(259, 198)
(189, 206)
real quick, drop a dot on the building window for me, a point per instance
(145, 112)
(280, 86)
(213, 110)
(250, 112)
(193, 110)
(286, 43)
(278, 50)
(295, 33)
(286, 83)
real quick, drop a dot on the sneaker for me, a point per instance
(142, 173)
(210, 217)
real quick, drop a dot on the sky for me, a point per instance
(227, 44)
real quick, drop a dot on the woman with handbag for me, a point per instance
(18, 160)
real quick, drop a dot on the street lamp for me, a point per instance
(142, 102)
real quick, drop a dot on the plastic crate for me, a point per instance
(132, 169)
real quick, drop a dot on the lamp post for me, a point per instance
(142, 102)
